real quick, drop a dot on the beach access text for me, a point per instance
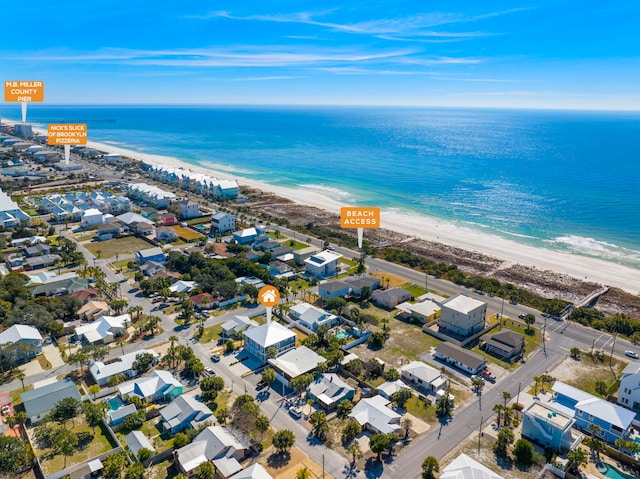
(67, 134)
(360, 217)
(23, 91)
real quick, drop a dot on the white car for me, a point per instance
(295, 412)
(631, 354)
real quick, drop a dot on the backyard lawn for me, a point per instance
(212, 333)
(96, 443)
(421, 410)
(120, 246)
(186, 233)
(151, 430)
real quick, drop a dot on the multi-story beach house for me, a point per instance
(150, 194)
(258, 341)
(550, 427)
(462, 315)
(222, 222)
(629, 391)
(322, 265)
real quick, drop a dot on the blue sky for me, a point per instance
(540, 54)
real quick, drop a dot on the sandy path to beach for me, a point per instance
(431, 229)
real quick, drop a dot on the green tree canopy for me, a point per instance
(283, 440)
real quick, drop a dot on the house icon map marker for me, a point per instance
(268, 296)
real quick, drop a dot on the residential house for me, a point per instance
(629, 391)
(119, 415)
(136, 440)
(185, 412)
(374, 415)
(103, 330)
(149, 212)
(423, 312)
(37, 250)
(246, 236)
(462, 315)
(390, 298)
(356, 284)
(257, 341)
(151, 268)
(236, 326)
(189, 209)
(130, 218)
(152, 254)
(550, 427)
(463, 467)
(203, 301)
(92, 310)
(312, 317)
(333, 289)
(40, 401)
(322, 265)
(92, 217)
(506, 345)
(222, 222)
(215, 444)
(328, 389)
(101, 372)
(182, 286)
(614, 422)
(460, 358)
(10, 212)
(150, 194)
(255, 471)
(389, 388)
(142, 228)
(167, 219)
(27, 341)
(157, 386)
(278, 269)
(87, 294)
(60, 287)
(266, 245)
(252, 280)
(300, 255)
(166, 233)
(294, 363)
(39, 262)
(423, 377)
(107, 231)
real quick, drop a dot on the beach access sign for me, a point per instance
(360, 217)
(67, 134)
(23, 91)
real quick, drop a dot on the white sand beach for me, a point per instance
(432, 229)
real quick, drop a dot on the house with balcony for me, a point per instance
(312, 317)
(222, 222)
(257, 341)
(322, 265)
(189, 209)
(550, 427)
(462, 315)
(629, 391)
(26, 339)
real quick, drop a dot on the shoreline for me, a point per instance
(582, 268)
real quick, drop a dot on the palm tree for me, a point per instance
(537, 381)
(506, 395)
(406, 424)
(430, 467)
(498, 409)
(21, 375)
(577, 458)
(121, 342)
(355, 451)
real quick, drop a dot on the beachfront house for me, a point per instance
(322, 265)
(222, 222)
(152, 195)
(462, 315)
(629, 391)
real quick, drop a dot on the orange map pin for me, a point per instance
(268, 296)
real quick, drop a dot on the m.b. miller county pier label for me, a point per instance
(67, 134)
(23, 91)
(360, 217)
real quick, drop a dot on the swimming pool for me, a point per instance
(611, 472)
(115, 403)
(342, 335)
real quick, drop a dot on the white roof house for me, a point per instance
(104, 329)
(20, 332)
(463, 315)
(92, 217)
(425, 310)
(136, 440)
(237, 324)
(463, 467)
(296, 362)
(329, 389)
(158, 384)
(607, 412)
(311, 316)
(182, 286)
(373, 413)
(323, 264)
(270, 335)
(256, 471)
(387, 389)
(629, 391)
(212, 444)
(101, 372)
(130, 218)
(423, 376)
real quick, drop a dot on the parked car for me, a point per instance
(209, 372)
(486, 374)
(215, 358)
(5, 410)
(295, 412)
(631, 354)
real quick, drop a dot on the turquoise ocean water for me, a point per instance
(568, 181)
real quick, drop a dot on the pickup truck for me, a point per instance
(486, 374)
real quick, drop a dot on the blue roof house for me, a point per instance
(151, 254)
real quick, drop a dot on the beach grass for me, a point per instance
(125, 245)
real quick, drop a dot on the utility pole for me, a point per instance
(480, 434)
(426, 282)
(593, 344)
(544, 333)
(323, 465)
(501, 312)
